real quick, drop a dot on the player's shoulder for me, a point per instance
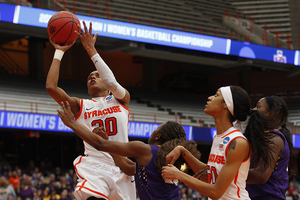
(239, 144)
(278, 140)
(241, 140)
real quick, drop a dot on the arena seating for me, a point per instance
(201, 18)
(273, 13)
(28, 96)
(145, 106)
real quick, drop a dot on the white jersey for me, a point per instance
(107, 112)
(97, 173)
(217, 159)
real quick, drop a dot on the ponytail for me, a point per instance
(259, 140)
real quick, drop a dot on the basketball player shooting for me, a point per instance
(99, 177)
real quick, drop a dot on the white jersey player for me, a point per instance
(225, 174)
(96, 169)
(98, 175)
(217, 159)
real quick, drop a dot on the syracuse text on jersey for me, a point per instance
(106, 111)
(217, 159)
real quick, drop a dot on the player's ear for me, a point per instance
(158, 136)
(225, 105)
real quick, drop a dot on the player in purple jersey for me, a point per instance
(273, 159)
(149, 157)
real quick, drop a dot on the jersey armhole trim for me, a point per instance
(80, 111)
(122, 105)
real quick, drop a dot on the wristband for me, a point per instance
(58, 54)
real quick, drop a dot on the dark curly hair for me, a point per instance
(171, 130)
(168, 146)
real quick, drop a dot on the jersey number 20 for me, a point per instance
(110, 125)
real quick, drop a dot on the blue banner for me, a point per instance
(141, 129)
(128, 31)
(296, 141)
(255, 51)
(148, 34)
(32, 121)
(204, 134)
(7, 12)
(145, 129)
(46, 122)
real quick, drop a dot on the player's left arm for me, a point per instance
(237, 152)
(88, 41)
(125, 164)
(258, 175)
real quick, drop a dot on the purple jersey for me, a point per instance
(150, 185)
(277, 184)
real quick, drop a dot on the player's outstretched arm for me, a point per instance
(88, 41)
(57, 93)
(135, 149)
(125, 164)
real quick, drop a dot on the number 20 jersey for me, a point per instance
(108, 112)
(217, 159)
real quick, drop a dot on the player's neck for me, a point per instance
(99, 94)
(222, 125)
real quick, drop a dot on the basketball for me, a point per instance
(61, 27)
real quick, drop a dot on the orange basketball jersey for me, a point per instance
(217, 159)
(108, 112)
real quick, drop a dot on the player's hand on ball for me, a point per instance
(64, 48)
(66, 114)
(101, 132)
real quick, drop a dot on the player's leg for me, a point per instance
(92, 179)
(124, 187)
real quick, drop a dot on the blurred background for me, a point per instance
(254, 45)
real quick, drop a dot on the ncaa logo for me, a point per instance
(226, 140)
(108, 98)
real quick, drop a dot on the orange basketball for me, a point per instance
(61, 27)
